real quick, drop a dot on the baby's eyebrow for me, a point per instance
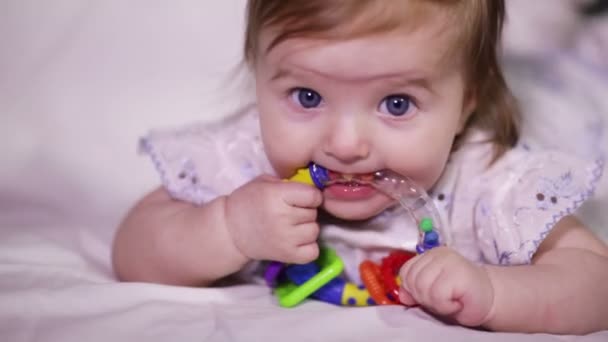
(421, 81)
(280, 73)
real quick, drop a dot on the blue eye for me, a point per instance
(307, 98)
(396, 105)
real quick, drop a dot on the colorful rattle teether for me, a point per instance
(319, 279)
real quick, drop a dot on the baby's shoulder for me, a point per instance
(516, 200)
(541, 174)
(521, 166)
(200, 161)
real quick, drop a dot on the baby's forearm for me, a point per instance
(171, 242)
(563, 292)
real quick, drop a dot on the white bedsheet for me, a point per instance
(79, 82)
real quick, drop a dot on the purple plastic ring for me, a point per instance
(272, 272)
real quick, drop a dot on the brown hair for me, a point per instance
(479, 25)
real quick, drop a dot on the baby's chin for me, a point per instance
(357, 210)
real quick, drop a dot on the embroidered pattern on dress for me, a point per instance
(444, 201)
(146, 146)
(595, 175)
(185, 184)
(553, 194)
(550, 191)
(504, 258)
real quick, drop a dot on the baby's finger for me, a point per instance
(442, 296)
(302, 195)
(304, 234)
(303, 215)
(409, 273)
(406, 298)
(405, 269)
(426, 277)
(305, 254)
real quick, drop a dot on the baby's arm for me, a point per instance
(563, 290)
(173, 242)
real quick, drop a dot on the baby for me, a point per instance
(412, 86)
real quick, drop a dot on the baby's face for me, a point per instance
(389, 101)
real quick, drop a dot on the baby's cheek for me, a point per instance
(286, 155)
(285, 164)
(424, 168)
(287, 148)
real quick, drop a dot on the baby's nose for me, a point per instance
(347, 140)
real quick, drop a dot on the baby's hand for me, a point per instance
(446, 283)
(270, 219)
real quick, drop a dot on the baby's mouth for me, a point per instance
(352, 179)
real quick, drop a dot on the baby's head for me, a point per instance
(358, 86)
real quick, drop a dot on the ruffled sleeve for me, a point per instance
(524, 197)
(199, 162)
